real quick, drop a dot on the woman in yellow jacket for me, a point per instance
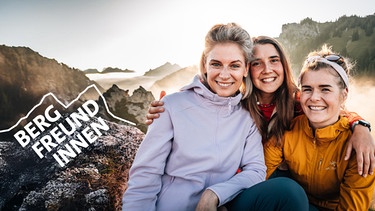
(314, 148)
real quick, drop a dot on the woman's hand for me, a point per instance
(155, 109)
(364, 145)
(208, 201)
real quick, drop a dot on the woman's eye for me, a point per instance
(306, 90)
(215, 64)
(235, 66)
(275, 60)
(253, 64)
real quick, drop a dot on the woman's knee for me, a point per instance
(275, 194)
(288, 191)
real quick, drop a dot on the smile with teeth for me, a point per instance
(317, 108)
(269, 79)
(224, 84)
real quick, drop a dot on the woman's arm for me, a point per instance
(273, 156)
(148, 166)
(253, 170)
(355, 191)
(363, 144)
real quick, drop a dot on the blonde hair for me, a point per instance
(315, 65)
(224, 33)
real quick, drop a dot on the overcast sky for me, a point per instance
(144, 34)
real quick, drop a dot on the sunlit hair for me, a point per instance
(283, 98)
(316, 65)
(228, 33)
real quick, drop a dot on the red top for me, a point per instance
(267, 110)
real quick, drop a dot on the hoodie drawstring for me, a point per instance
(229, 105)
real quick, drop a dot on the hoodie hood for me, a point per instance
(198, 87)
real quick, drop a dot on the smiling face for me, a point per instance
(225, 67)
(267, 72)
(321, 97)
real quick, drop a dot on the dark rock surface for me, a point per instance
(94, 180)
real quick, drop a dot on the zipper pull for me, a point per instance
(320, 163)
(314, 142)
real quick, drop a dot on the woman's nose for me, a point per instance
(267, 68)
(224, 73)
(315, 95)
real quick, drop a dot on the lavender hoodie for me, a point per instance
(198, 143)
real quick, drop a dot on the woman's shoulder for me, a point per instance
(180, 99)
(177, 96)
(298, 123)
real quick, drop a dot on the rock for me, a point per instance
(133, 108)
(94, 180)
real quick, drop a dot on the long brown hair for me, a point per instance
(283, 98)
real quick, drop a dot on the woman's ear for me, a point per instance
(247, 70)
(345, 94)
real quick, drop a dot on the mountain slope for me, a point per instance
(25, 76)
(352, 36)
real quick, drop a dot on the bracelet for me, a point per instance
(363, 123)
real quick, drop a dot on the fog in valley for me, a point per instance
(361, 100)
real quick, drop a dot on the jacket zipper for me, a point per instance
(315, 168)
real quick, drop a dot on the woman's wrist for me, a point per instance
(363, 123)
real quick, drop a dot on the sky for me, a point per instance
(144, 34)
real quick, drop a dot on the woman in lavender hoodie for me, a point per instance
(189, 156)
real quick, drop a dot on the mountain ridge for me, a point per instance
(351, 36)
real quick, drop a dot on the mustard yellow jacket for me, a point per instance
(316, 162)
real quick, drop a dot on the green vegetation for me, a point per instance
(352, 37)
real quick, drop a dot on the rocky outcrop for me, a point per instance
(294, 34)
(94, 180)
(130, 107)
(91, 174)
